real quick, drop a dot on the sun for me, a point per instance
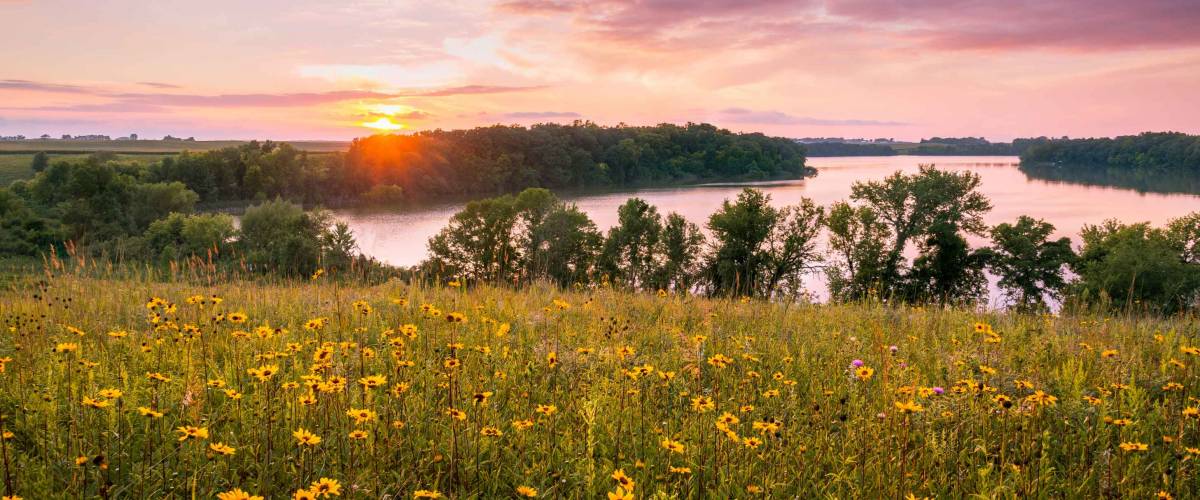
(383, 123)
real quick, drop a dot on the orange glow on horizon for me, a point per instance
(383, 123)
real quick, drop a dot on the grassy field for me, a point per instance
(129, 388)
(15, 156)
(17, 166)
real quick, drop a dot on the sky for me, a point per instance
(300, 69)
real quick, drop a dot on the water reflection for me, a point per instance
(1143, 182)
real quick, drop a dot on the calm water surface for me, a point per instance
(399, 237)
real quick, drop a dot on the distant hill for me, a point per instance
(936, 146)
(156, 146)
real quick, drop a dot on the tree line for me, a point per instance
(486, 160)
(934, 146)
(1148, 153)
(903, 238)
(112, 208)
(107, 204)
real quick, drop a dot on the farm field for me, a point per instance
(149, 146)
(134, 388)
(17, 166)
(15, 156)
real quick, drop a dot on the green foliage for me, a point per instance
(756, 248)
(680, 246)
(858, 242)
(39, 162)
(1028, 263)
(150, 200)
(1186, 231)
(791, 248)
(739, 230)
(179, 236)
(630, 250)
(1139, 266)
(929, 208)
(530, 236)
(280, 237)
(384, 194)
(1150, 153)
(22, 230)
(338, 246)
(477, 243)
(250, 171)
(509, 158)
(947, 270)
(99, 199)
(567, 243)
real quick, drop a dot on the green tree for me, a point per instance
(631, 249)
(792, 247)
(679, 247)
(1029, 264)
(178, 236)
(928, 206)
(149, 202)
(279, 237)
(527, 237)
(1135, 266)
(1186, 230)
(568, 245)
(947, 270)
(338, 246)
(39, 162)
(740, 229)
(858, 242)
(22, 230)
(477, 244)
(757, 249)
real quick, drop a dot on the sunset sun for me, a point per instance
(383, 123)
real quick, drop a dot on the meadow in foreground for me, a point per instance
(139, 389)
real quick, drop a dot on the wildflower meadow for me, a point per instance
(138, 388)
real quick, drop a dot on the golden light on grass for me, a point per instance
(354, 374)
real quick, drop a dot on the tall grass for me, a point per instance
(489, 390)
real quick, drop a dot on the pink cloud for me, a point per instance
(940, 24)
(1024, 24)
(155, 101)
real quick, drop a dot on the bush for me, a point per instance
(278, 236)
(1137, 265)
(384, 194)
(179, 236)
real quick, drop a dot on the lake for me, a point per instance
(399, 237)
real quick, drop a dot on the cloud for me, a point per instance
(742, 115)
(44, 87)
(415, 114)
(536, 6)
(523, 116)
(540, 115)
(251, 100)
(156, 101)
(472, 89)
(1085, 25)
(1073, 25)
(160, 85)
(108, 107)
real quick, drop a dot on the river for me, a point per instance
(398, 237)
